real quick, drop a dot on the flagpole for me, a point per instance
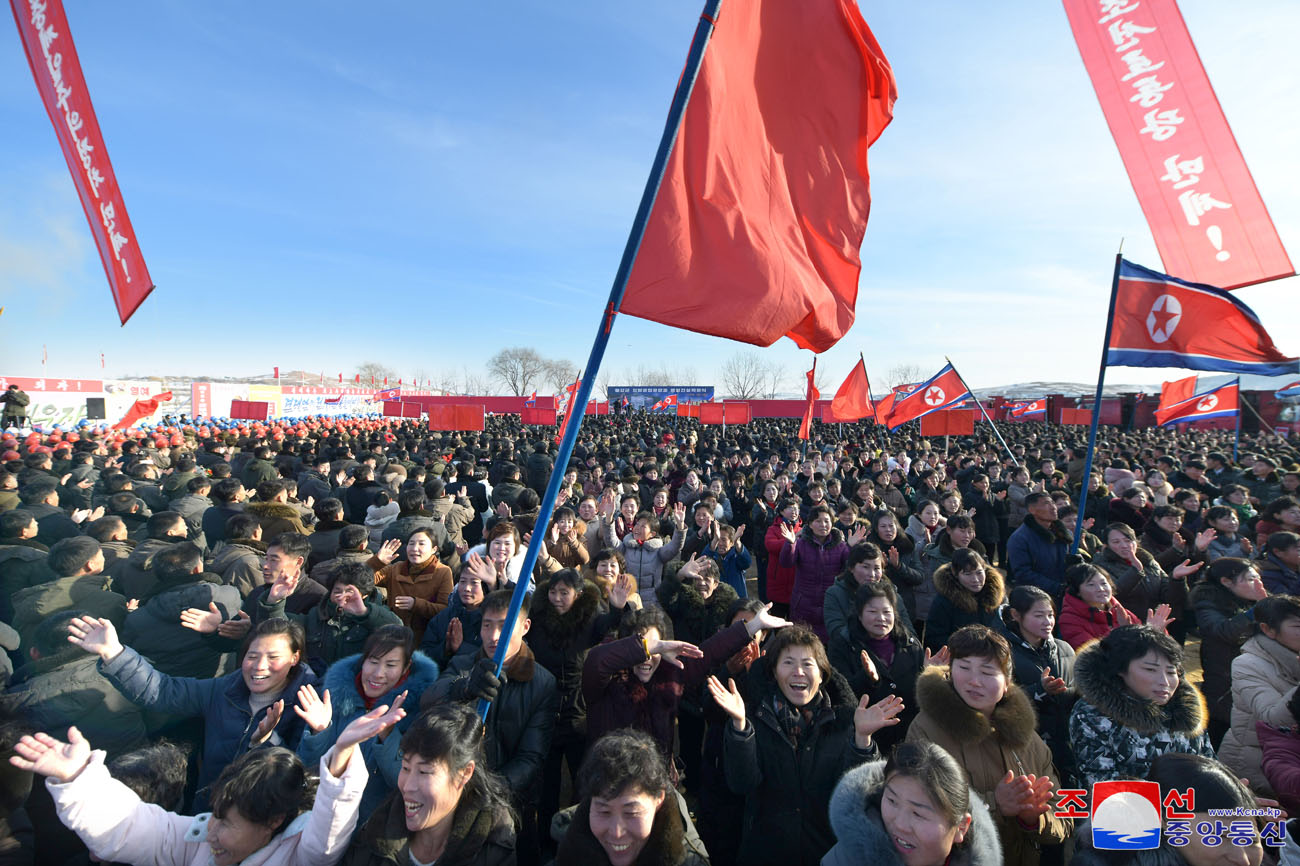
(694, 57)
(1096, 407)
(982, 410)
(1236, 436)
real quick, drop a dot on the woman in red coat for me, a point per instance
(780, 578)
(1090, 609)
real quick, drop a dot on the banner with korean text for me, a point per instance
(1200, 201)
(43, 27)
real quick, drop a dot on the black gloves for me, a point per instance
(483, 682)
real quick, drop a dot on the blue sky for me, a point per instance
(315, 185)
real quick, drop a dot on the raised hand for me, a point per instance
(375, 723)
(95, 636)
(893, 556)
(729, 701)
(1052, 685)
(282, 588)
(1247, 546)
(765, 619)
(315, 712)
(740, 662)
(455, 635)
(236, 627)
(740, 535)
(679, 515)
(503, 510)
(856, 535)
(787, 532)
(869, 719)
(267, 726)
(672, 651)
(43, 754)
(1204, 537)
(479, 569)
(355, 605)
(690, 567)
(1185, 569)
(942, 657)
(388, 551)
(869, 667)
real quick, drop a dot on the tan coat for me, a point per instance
(431, 587)
(987, 749)
(1264, 679)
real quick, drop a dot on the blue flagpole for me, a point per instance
(1236, 438)
(694, 57)
(1096, 408)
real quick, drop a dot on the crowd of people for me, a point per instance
(266, 643)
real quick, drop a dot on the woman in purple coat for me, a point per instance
(818, 555)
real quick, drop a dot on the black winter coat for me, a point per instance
(155, 630)
(1053, 710)
(895, 678)
(1225, 621)
(560, 643)
(788, 788)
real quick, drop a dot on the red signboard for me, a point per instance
(724, 413)
(534, 415)
(951, 422)
(1208, 219)
(455, 416)
(250, 410)
(392, 408)
(1076, 416)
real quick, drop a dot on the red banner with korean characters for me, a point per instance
(1208, 219)
(43, 27)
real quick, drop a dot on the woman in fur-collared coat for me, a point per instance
(1134, 704)
(970, 592)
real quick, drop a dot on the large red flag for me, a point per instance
(885, 407)
(142, 409)
(805, 426)
(853, 399)
(43, 27)
(755, 231)
(1206, 215)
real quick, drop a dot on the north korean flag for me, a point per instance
(1032, 409)
(1292, 390)
(940, 391)
(1220, 402)
(1161, 321)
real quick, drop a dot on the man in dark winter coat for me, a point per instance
(192, 505)
(238, 561)
(22, 558)
(133, 577)
(361, 495)
(227, 501)
(1036, 551)
(40, 498)
(155, 630)
(259, 469)
(525, 703)
(509, 489)
(539, 467)
(16, 402)
(76, 582)
(325, 536)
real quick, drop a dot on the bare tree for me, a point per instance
(518, 368)
(773, 379)
(560, 374)
(373, 370)
(471, 382)
(744, 374)
(604, 384)
(904, 374)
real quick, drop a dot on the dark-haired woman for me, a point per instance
(1140, 583)
(902, 559)
(916, 809)
(975, 711)
(880, 656)
(241, 709)
(265, 807)
(1043, 665)
(791, 738)
(1089, 609)
(1225, 614)
(385, 668)
(629, 812)
(817, 555)
(569, 617)
(1134, 703)
(780, 578)
(970, 591)
(449, 808)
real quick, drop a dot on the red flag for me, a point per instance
(358, 379)
(805, 426)
(1209, 222)
(277, 372)
(1220, 402)
(47, 40)
(942, 390)
(142, 409)
(884, 407)
(340, 378)
(1172, 393)
(385, 382)
(853, 399)
(755, 231)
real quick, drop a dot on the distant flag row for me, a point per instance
(1029, 409)
(1223, 401)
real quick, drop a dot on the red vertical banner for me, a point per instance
(46, 38)
(1208, 219)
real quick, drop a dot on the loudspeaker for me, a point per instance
(95, 409)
